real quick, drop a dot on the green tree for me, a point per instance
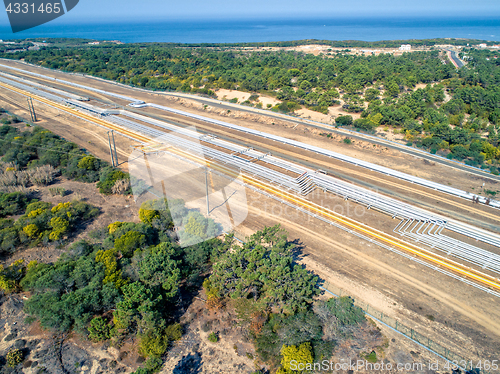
(263, 268)
(158, 268)
(344, 120)
(129, 242)
(99, 329)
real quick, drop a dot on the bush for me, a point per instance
(213, 338)
(108, 178)
(14, 357)
(57, 191)
(153, 345)
(12, 203)
(89, 163)
(121, 187)
(371, 357)
(344, 120)
(129, 242)
(345, 311)
(364, 124)
(43, 175)
(141, 371)
(153, 364)
(174, 332)
(347, 141)
(99, 330)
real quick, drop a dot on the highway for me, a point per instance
(461, 272)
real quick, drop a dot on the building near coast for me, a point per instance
(405, 47)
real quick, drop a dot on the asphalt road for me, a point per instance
(455, 58)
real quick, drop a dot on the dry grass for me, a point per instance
(9, 189)
(4, 166)
(8, 179)
(121, 185)
(43, 175)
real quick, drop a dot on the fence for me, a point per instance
(410, 333)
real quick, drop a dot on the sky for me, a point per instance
(88, 11)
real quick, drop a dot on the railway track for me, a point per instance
(227, 133)
(468, 274)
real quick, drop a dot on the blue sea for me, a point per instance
(366, 29)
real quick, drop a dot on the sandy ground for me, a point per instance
(318, 49)
(224, 94)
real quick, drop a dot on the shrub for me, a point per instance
(153, 364)
(14, 357)
(174, 332)
(148, 215)
(121, 187)
(370, 357)
(112, 274)
(347, 141)
(31, 230)
(108, 178)
(213, 338)
(302, 355)
(8, 179)
(89, 163)
(12, 203)
(129, 242)
(59, 228)
(153, 345)
(57, 191)
(9, 236)
(141, 371)
(344, 120)
(7, 285)
(112, 227)
(43, 175)
(364, 124)
(99, 330)
(345, 311)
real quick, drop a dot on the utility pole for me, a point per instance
(111, 151)
(114, 146)
(206, 187)
(32, 109)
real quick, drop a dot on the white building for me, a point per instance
(482, 45)
(405, 47)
